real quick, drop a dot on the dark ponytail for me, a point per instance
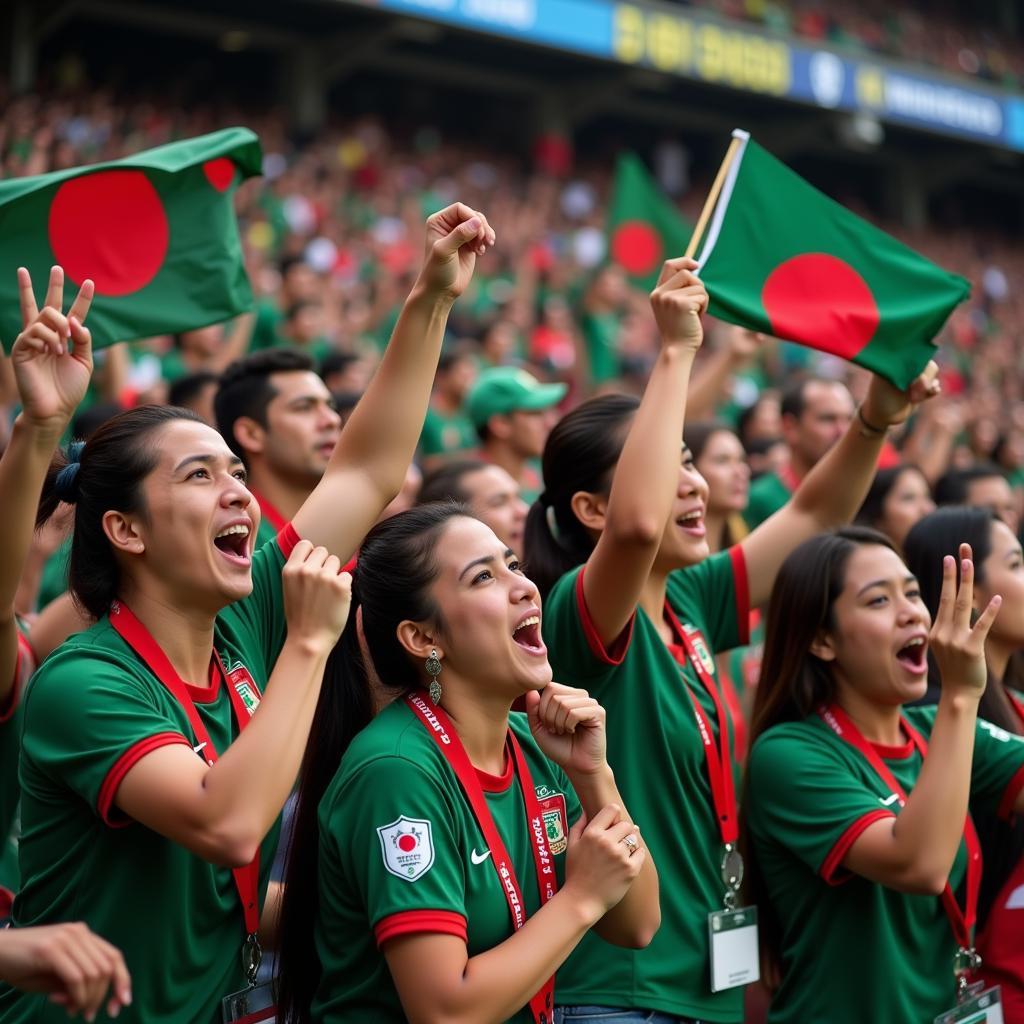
(580, 455)
(391, 583)
(111, 468)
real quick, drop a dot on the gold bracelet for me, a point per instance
(869, 429)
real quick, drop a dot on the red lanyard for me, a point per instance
(140, 640)
(1017, 705)
(960, 921)
(719, 758)
(439, 726)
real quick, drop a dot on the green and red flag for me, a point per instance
(156, 232)
(644, 228)
(780, 257)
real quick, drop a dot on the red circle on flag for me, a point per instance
(822, 301)
(220, 173)
(636, 247)
(110, 226)
(407, 843)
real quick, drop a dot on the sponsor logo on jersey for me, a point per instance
(479, 858)
(700, 648)
(556, 825)
(407, 846)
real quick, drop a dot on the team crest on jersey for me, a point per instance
(556, 825)
(407, 846)
(700, 648)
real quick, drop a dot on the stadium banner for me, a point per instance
(678, 42)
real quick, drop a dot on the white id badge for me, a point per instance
(253, 1005)
(986, 1008)
(734, 953)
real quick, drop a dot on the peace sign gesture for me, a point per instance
(959, 648)
(51, 379)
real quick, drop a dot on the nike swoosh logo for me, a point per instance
(479, 858)
(891, 799)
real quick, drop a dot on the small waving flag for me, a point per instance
(156, 232)
(644, 228)
(782, 258)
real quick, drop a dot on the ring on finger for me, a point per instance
(631, 843)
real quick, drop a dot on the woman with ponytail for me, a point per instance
(858, 809)
(449, 855)
(154, 766)
(999, 570)
(637, 611)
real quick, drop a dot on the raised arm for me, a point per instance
(223, 812)
(379, 440)
(914, 851)
(716, 369)
(52, 363)
(835, 488)
(647, 475)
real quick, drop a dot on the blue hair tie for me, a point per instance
(66, 484)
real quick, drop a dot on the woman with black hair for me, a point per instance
(451, 854)
(636, 613)
(856, 809)
(719, 457)
(154, 766)
(898, 498)
(1000, 570)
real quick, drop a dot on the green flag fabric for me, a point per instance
(156, 232)
(644, 228)
(782, 258)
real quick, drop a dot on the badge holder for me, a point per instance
(254, 1004)
(732, 932)
(975, 1003)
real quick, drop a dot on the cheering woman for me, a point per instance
(154, 767)
(459, 853)
(999, 570)
(622, 514)
(858, 808)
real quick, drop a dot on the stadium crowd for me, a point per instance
(924, 33)
(515, 369)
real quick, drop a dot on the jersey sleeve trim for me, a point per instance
(287, 539)
(124, 764)
(616, 653)
(741, 584)
(10, 705)
(831, 869)
(413, 922)
(1016, 784)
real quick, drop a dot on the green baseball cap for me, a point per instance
(504, 389)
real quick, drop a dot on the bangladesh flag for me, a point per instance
(782, 258)
(156, 232)
(644, 228)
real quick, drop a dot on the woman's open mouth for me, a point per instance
(693, 523)
(233, 543)
(527, 635)
(913, 656)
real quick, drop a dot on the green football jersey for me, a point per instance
(656, 752)
(11, 720)
(768, 493)
(94, 709)
(445, 435)
(810, 796)
(401, 852)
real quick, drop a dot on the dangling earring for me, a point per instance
(433, 666)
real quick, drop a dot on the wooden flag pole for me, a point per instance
(712, 199)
